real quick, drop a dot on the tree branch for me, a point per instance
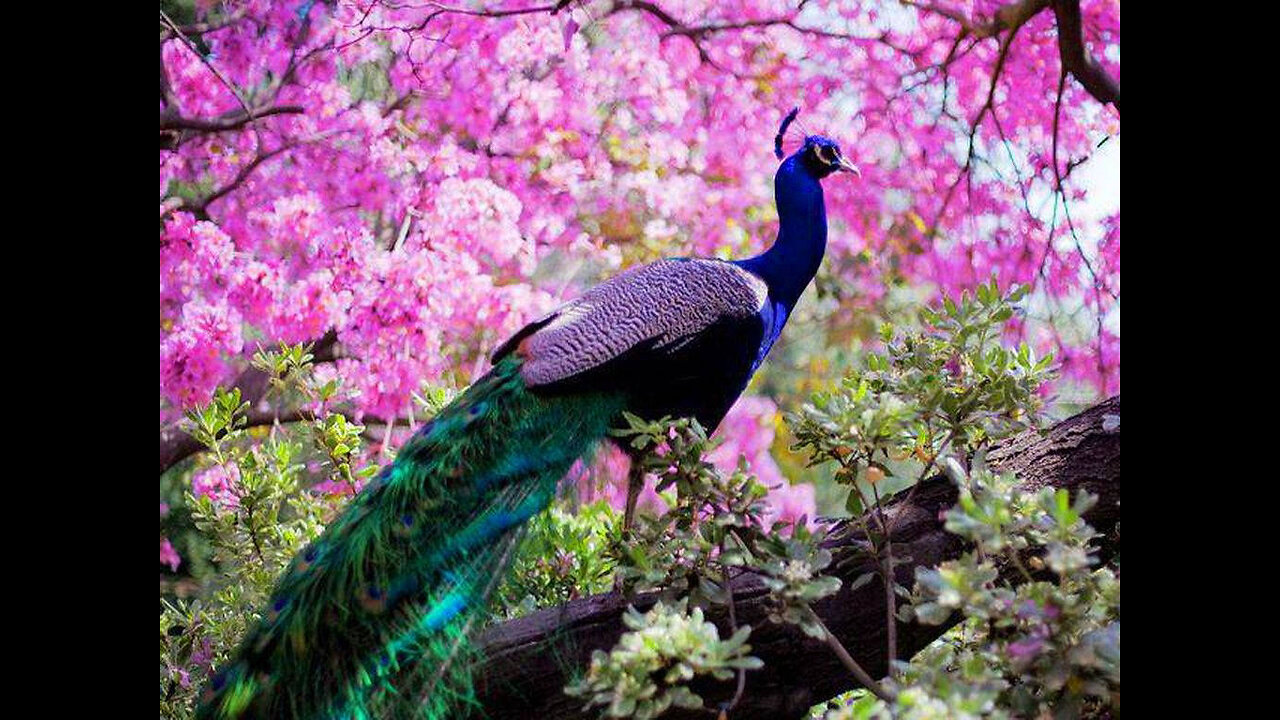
(170, 121)
(176, 445)
(1076, 59)
(528, 661)
(201, 28)
(1071, 50)
(696, 33)
(1007, 17)
(201, 207)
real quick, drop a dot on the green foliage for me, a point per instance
(1039, 623)
(949, 387)
(336, 437)
(1047, 645)
(255, 524)
(647, 671)
(1040, 629)
(715, 524)
(790, 569)
(713, 529)
(563, 556)
(675, 452)
(677, 551)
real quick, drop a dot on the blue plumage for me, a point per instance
(683, 337)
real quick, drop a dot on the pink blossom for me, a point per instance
(1026, 648)
(338, 488)
(428, 216)
(748, 431)
(169, 556)
(648, 501)
(219, 483)
(790, 503)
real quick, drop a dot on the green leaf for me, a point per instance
(853, 503)
(861, 580)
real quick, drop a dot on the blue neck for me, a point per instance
(790, 263)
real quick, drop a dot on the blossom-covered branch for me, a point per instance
(232, 121)
(1075, 57)
(423, 178)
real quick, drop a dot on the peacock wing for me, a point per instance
(654, 310)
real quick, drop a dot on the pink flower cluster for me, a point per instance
(219, 483)
(430, 179)
(169, 556)
(748, 432)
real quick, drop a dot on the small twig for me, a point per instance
(404, 231)
(494, 13)
(386, 440)
(834, 643)
(165, 19)
(1004, 18)
(202, 28)
(886, 571)
(635, 483)
(242, 175)
(172, 123)
(733, 628)
(253, 531)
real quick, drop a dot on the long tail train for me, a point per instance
(372, 618)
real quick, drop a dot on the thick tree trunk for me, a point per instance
(527, 660)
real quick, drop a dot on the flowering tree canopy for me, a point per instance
(409, 183)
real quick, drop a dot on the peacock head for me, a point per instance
(821, 156)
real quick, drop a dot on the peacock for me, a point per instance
(372, 619)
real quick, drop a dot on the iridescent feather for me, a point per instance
(372, 619)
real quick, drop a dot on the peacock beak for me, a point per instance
(845, 166)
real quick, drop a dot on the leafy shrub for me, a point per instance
(1038, 621)
(1038, 631)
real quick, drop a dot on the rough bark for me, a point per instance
(524, 669)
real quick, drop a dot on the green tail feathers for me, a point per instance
(372, 619)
